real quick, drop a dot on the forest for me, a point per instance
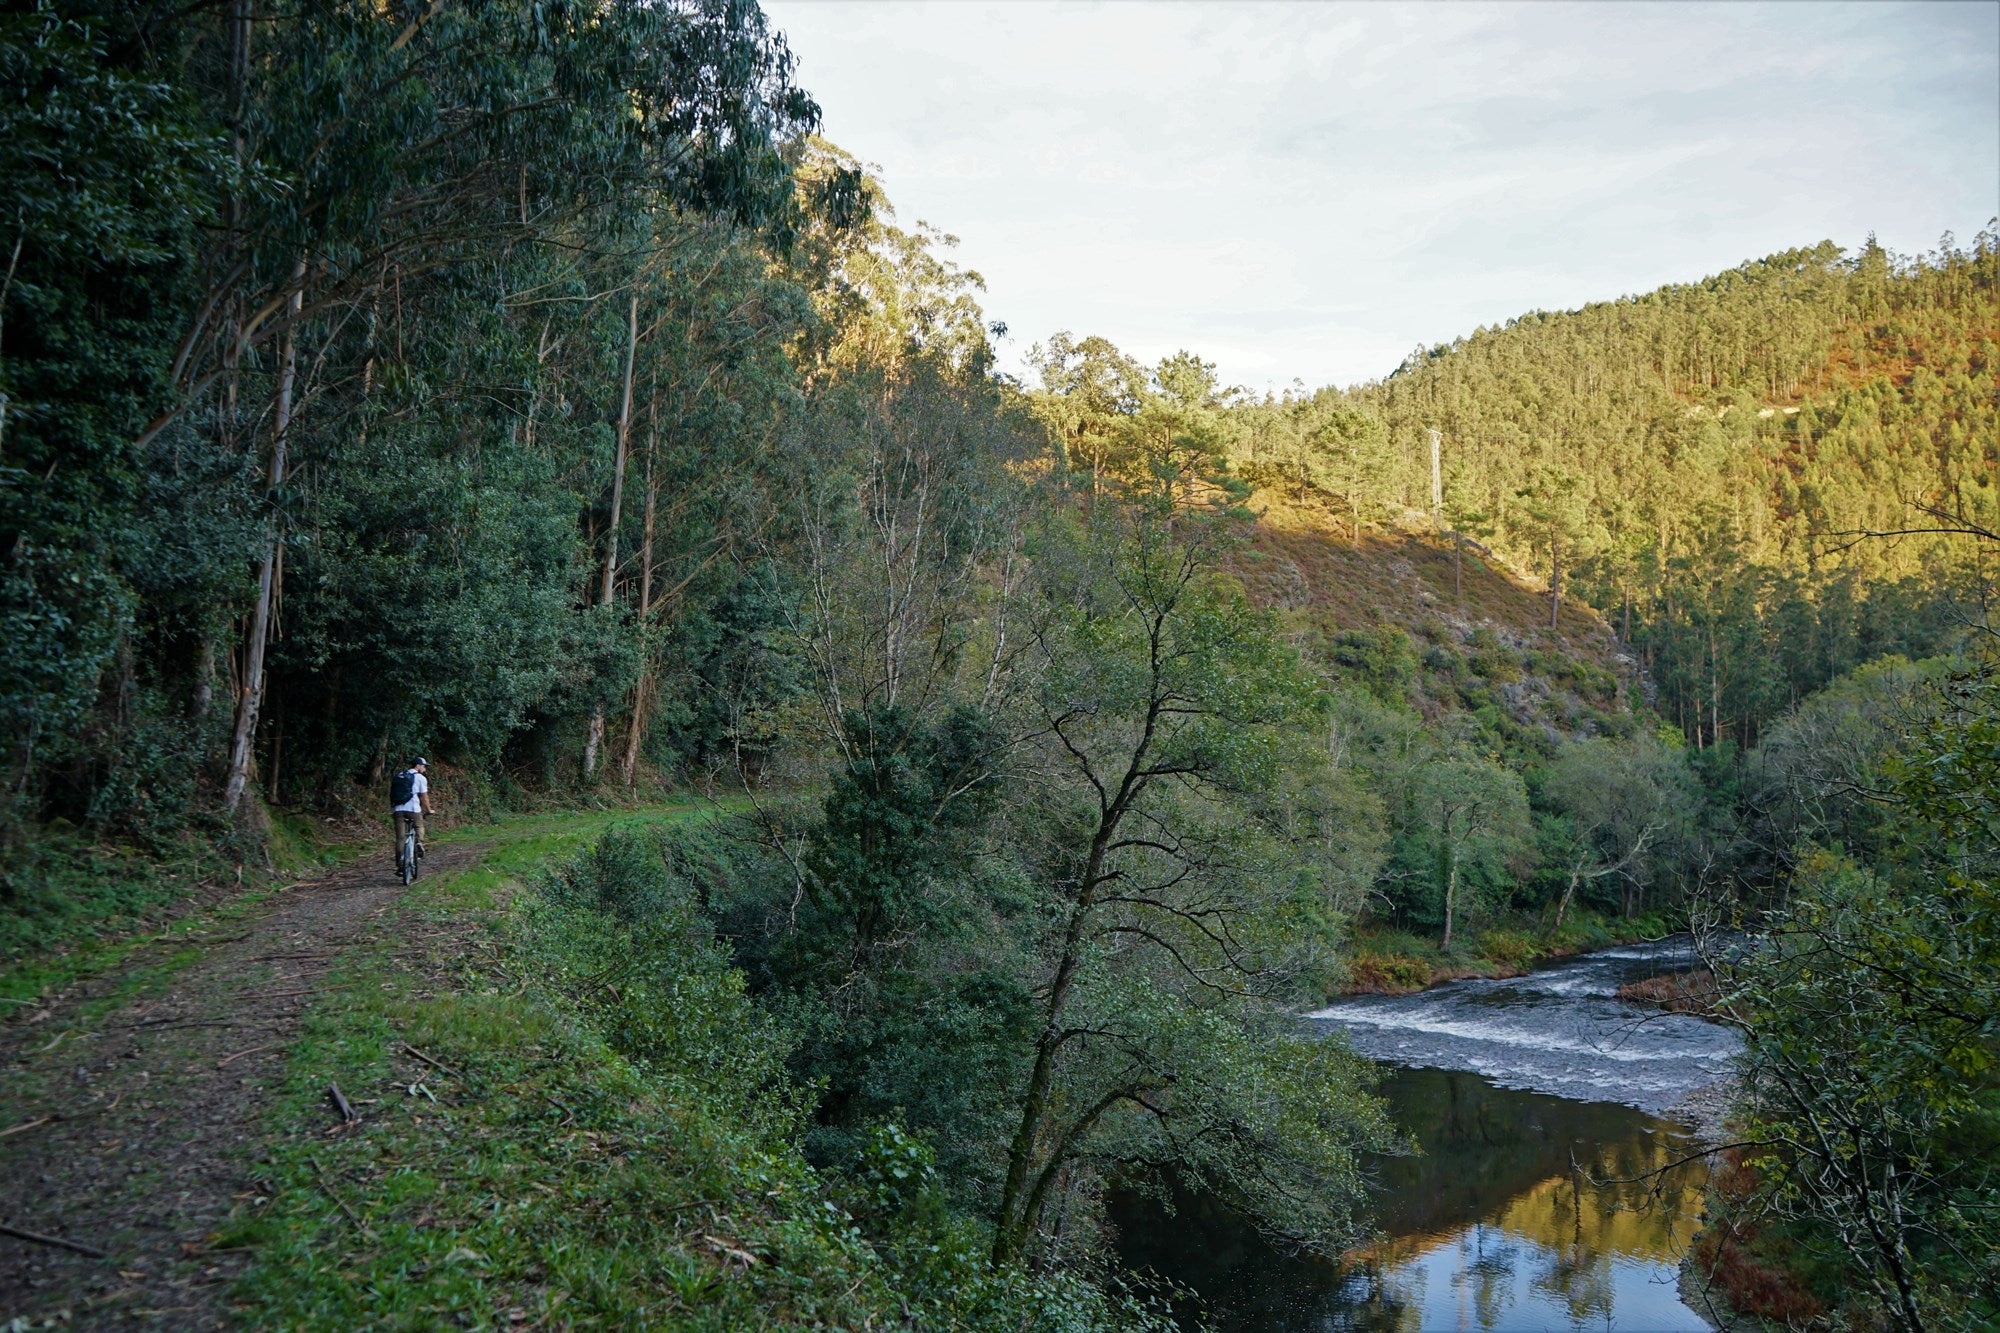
(530, 386)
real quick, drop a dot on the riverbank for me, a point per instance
(1705, 1111)
(1386, 961)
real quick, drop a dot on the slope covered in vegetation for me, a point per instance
(526, 385)
(1702, 463)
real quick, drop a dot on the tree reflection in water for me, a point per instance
(1500, 1224)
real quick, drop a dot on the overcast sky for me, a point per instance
(1311, 190)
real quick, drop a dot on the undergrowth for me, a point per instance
(1390, 961)
(611, 1142)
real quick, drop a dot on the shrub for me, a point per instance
(1510, 948)
(1388, 974)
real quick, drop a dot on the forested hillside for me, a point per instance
(1701, 463)
(527, 385)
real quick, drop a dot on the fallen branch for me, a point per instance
(334, 1194)
(29, 1124)
(22, 1233)
(231, 1059)
(347, 1113)
(434, 1064)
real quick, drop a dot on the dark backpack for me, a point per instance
(402, 787)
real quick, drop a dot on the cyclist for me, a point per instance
(410, 801)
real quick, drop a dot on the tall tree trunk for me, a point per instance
(252, 701)
(594, 743)
(1562, 907)
(1018, 1200)
(1450, 885)
(641, 689)
(204, 675)
(1458, 566)
(1714, 692)
(1555, 582)
(271, 787)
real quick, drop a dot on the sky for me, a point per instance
(1310, 191)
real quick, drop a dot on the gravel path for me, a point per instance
(130, 1130)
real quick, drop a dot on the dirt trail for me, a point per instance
(158, 1105)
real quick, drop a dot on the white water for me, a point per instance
(1560, 1031)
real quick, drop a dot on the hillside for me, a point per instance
(1712, 455)
(1389, 610)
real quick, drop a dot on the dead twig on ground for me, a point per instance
(26, 1125)
(231, 1059)
(434, 1064)
(22, 1233)
(334, 1194)
(340, 1103)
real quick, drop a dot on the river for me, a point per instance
(1537, 1201)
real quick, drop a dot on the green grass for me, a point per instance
(545, 1177)
(598, 1156)
(83, 910)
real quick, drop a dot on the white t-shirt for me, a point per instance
(418, 786)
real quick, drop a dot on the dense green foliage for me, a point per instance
(324, 360)
(1701, 463)
(1872, 1012)
(523, 383)
(610, 1080)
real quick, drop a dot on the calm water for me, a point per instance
(1523, 1096)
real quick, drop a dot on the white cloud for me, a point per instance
(1311, 190)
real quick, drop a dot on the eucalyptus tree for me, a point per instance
(106, 174)
(1089, 388)
(326, 173)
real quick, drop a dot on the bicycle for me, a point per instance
(407, 855)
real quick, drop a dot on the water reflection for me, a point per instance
(1497, 1226)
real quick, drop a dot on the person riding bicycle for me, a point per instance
(410, 801)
